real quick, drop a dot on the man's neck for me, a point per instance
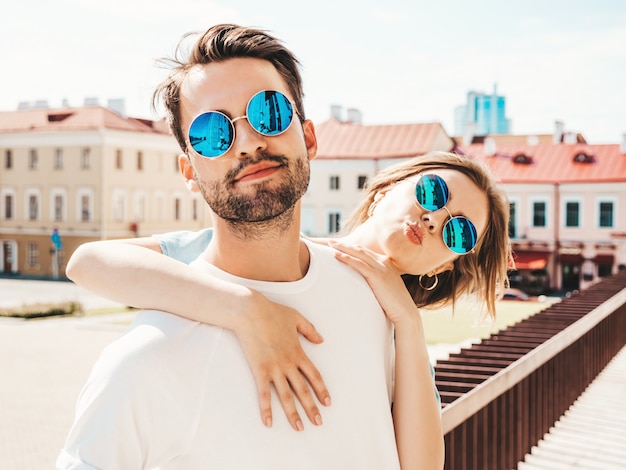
(260, 251)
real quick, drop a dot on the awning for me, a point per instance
(570, 258)
(604, 258)
(530, 259)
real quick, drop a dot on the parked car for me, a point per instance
(515, 294)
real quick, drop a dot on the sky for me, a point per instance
(397, 61)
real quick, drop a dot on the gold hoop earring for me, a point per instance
(432, 286)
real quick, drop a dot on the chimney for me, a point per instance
(335, 112)
(490, 146)
(41, 104)
(354, 116)
(532, 140)
(118, 105)
(470, 130)
(558, 132)
(570, 138)
(623, 146)
(91, 101)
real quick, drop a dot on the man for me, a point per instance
(175, 394)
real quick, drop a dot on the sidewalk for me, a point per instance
(592, 433)
(43, 365)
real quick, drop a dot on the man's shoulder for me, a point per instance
(158, 339)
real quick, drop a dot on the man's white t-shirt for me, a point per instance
(176, 394)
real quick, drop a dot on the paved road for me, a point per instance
(43, 365)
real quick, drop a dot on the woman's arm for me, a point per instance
(416, 409)
(134, 272)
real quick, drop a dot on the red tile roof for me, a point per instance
(347, 140)
(91, 117)
(552, 163)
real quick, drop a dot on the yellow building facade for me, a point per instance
(85, 174)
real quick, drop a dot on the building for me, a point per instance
(568, 197)
(482, 114)
(72, 175)
(349, 154)
(568, 209)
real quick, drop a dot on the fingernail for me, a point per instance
(327, 401)
(299, 425)
(318, 420)
(268, 422)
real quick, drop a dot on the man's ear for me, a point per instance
(184, 164)
(310, 138)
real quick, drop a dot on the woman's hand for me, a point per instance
(383, 278)
(268, 334)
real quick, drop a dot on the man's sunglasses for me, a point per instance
(459, 233)
(212, 134)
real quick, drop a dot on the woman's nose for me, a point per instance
(433, 220)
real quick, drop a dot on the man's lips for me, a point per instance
(414, 233)
(257, 170)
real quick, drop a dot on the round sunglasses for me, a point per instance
(459, 233)
(212, 134)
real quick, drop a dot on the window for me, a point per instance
(159, 206)
(139, 161)
(606, 214)
(32, 255)
(85, 159)
(33, 207)
(9, 202)
(8, 159)
(118, 159)
(176, 208)
(307, 220)
(119, 204)
(572, 214)
(334, 221)
(33, 159)
(84, 204)
(361, 181)
(539, 214)
(139, 207)
(194, 209)
(58, 159)
(58, 212)
(85, 212)
(512, 227)
(334, 183)
(605, 270)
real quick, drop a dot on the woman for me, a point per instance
(428, 231)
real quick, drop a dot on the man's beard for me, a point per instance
(266, 208)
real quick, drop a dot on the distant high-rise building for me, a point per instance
(482, 115)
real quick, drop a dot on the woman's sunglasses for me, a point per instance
(459, 233)
(212, 134)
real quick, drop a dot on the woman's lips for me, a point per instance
(414, 233)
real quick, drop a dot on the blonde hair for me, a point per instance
(482, 272)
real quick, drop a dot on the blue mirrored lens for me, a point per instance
(211, 134)
(431, 192)
(459, 234)
(270, 112)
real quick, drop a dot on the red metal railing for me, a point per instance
(502, 395)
